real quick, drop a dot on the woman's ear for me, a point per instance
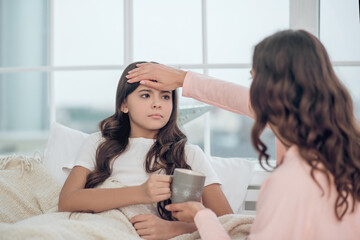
(124, 108)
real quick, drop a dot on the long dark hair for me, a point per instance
(167, 153)
(296, 91)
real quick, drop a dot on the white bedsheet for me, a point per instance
(29, 197)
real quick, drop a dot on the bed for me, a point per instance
(30, 187)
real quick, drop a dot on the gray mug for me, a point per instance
(187, 185)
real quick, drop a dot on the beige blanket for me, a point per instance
(28, 209)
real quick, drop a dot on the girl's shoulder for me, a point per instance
(193, 151)
(192, 148)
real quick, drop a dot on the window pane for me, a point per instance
(350, 77)
(231, 135)
(230, 132)
(23, 33)
(23, 101)
(27, 143)
(84, 98)
(88, 32)
(24, 112)
(168, 31)
(234, 27)
(238, 76)
(340, 29)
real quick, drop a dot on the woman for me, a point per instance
(314, 192)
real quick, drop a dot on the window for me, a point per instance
(84, 98)
(177, 40)
(75, 51)
(88, 32)
(24, 109)
(340, 23)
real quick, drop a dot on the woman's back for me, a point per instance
(292, 205)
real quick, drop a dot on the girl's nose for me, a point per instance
(156, 105)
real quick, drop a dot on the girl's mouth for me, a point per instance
(156, 116)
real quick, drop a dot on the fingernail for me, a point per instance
(142, 82)
(167, 207)
(127, 76)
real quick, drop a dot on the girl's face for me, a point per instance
(149, 110)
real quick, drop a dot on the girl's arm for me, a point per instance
(74, 197)
(214, 198)
(149, 226)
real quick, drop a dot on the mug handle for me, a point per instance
(172, 178)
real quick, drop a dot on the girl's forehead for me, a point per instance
(149, 89)
(142, 87)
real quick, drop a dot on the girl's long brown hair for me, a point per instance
(296, 91)
(167, 153)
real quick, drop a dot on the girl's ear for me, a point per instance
(124, 108)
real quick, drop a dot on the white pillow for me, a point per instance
(235, 175)
(61, 150)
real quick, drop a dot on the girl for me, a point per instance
(314, 192)
(140, 145)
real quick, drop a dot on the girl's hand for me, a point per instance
(185, 211)
(156, 188)
(149, 226)
(157, 76)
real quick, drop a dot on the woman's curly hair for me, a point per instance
(295, 91)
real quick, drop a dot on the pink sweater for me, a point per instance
(290, 204)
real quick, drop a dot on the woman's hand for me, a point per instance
(185, 211)
(149, 226)
(156, 188)
(157, 76)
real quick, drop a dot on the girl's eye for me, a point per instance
(166, 97)
(145, 95)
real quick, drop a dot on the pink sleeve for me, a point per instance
(226, 95)
(211, 90)
(209, 227)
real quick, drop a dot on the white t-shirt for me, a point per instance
(129, 167)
